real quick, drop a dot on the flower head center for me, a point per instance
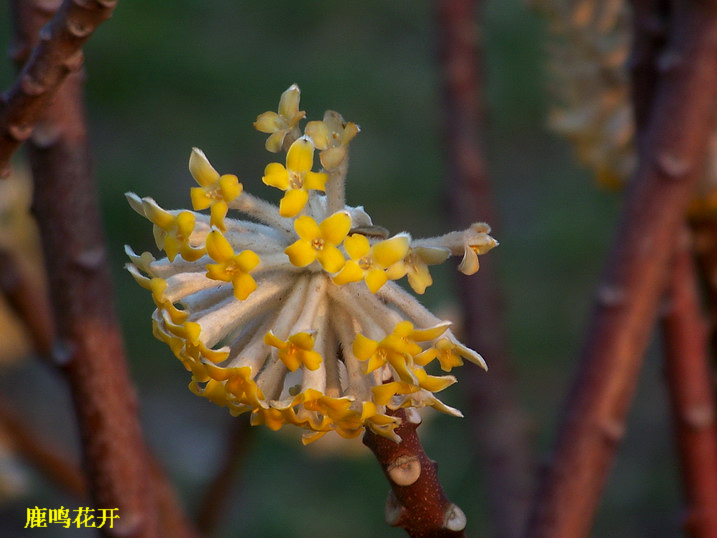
(381, 353)
(317, 244)
(296, 180)
(365, 263)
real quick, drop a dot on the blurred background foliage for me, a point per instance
(164, 76)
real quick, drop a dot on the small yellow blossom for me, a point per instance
(279, 125)
(232, 267)
(332, 136)
(296, 178)
(415, 266)
(449, 354)
(476, 241)
(369, 263)
(298, 350)
(171, 233)
(320, 241)
(215, 191)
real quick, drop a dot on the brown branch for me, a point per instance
(416, 502)
(28, 300)
(690, 382)
(92, 353)
(499, 427)
(38, 453)
(58, 53)
(214, 503)
(671, 162)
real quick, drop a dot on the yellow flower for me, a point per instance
(332, 136)
(397, 348)
(172, 233)
(368, 262)
(415, 265)
(320, 241)
(476, 241)
(296, 351)
(296, 178)
(448, 353)
(232, 267)
(279, 125)
(215, 191)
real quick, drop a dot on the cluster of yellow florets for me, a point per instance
(293, 315)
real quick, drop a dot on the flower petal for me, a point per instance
(269, 122)
(247, 260)
(420, 278)
(375, 278)
(219, 211)
(244, 284)
(469, 264)
(302, 340)
(332, 157)
(200, 198)
(270, 339)
(316, 181)
(319, 134)
(335, 228)
(357, 246)
(390, 251)
(275, 141)
(230, 187)
(275, 175)
(307, 229)
(300, 157)
(289, 102)
(430, 333)
(331, 259)
(300, 253)
(218, 248)
(432, 255)
(351, 272)
(364, 347)
(293, 202)
(203, 172)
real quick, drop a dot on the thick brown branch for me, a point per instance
(216, 498)
(46, 459)
(416, 502)
(690, 382)
(28, 300)
(58, 53)
(671, 162)
(91, 352)
(499, 428)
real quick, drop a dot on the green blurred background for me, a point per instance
(164, 76)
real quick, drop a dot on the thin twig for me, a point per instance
(416, 502)
(499, 427)
(671, 162)
(691, 393)
(58, 53)
(37, 452)
(217, 496)
(28, 300)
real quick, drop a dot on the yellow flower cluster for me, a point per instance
(293, 315)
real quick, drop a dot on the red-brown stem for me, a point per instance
(58, 53)
(705, 239)
(499, 428)
(217, 496)
(690, 382)
(421, 507)
(671, 162)
(37, 452)
(90, 351)
(28, 300)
